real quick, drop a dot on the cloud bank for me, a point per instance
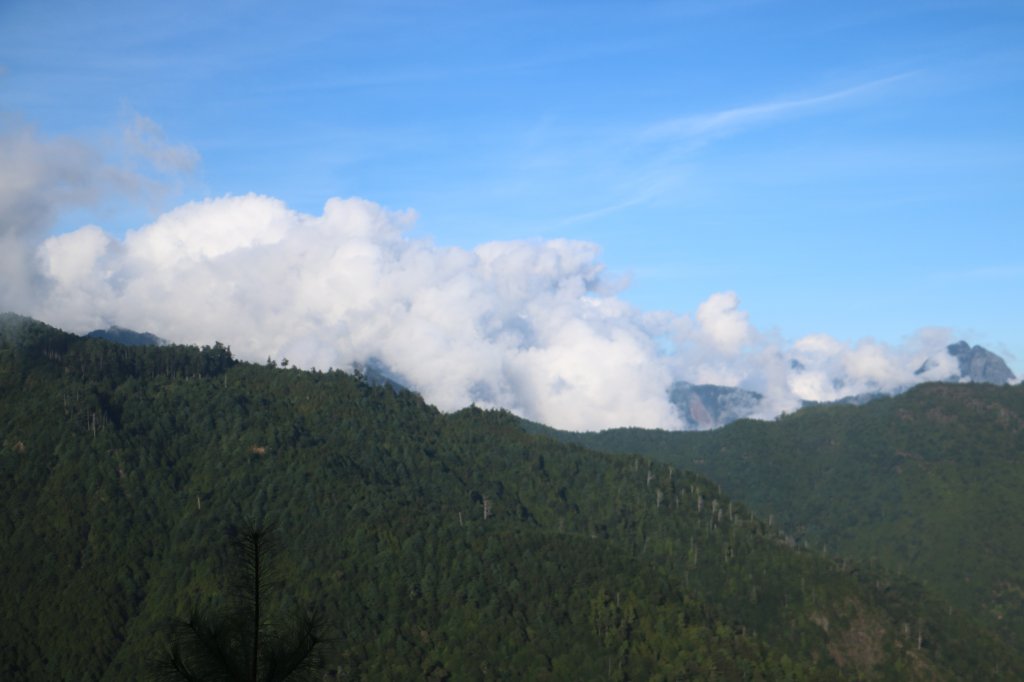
(536, 327)
(529, 326)
(532, 326)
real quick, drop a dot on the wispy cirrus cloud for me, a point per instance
(661, 167)
(636, 200)
(993, 273)
(731, 121)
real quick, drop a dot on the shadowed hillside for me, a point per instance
(439, 547)
(927, 484)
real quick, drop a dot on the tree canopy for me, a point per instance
(437, 546)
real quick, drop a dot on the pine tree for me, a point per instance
(239, 643)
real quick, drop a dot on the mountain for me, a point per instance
(706, 406)
(980, 365)
(702, 407)
(927, 483)
(127, 337)
(435, 546)
(376, 373)
(698, 406)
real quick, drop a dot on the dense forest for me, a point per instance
(434, 546)
(926, 484)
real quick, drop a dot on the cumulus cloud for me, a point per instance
(532, 326)
(524, 325)
(43, 177)
(826, 370)
(38, 179)
(536, 327)
(723, 324)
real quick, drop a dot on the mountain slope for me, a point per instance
(445, 547)
(706, 406)
(927, 483)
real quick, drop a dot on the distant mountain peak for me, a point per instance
(376, 373)
(980, 365)
(708, 406)
(127, 337)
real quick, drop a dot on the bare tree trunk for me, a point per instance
(256, 537)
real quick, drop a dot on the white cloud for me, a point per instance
(39, 178)
(723, 324)
(829, 370)
(43, 177)
(532, 326)
(523, 325)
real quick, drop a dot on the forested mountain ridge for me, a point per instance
(444, 547)
(928, 483)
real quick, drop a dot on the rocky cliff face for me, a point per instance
(708, 407)
(980, 365)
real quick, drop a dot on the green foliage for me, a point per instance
(927, 484)
(241, 642)
(438, 546)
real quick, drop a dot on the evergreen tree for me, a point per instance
(241, 643)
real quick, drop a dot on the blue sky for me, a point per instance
(855, 169)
